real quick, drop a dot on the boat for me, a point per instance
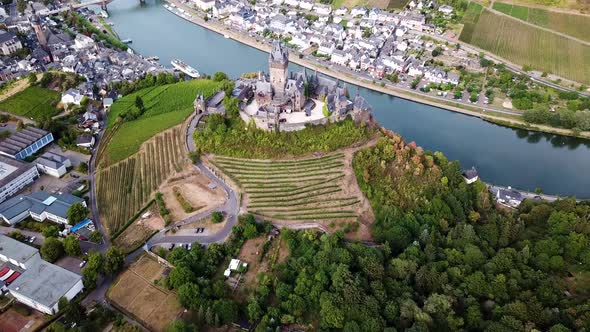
(153, 58)
(127, 41)
(183, 67)
(226, 36)
(104, 14)
(167, 7)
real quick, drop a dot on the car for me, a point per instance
(82, 263)
(75, 176)
(32, 239)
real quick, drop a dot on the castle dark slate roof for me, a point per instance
(279, 53)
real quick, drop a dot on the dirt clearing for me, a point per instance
(196, 189)
(140, 230)
(135, 293)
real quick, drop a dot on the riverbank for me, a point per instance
(494, 116)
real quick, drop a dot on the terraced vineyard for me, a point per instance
(125, 187)
(294, 190)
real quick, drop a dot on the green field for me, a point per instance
(33, 102)
(295, 190)
(526, 45)
(577, 26)
(166, 106)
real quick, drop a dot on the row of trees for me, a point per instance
(98, 264)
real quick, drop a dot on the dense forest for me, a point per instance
(449, 261)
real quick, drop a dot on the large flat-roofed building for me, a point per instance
(40, 284)
(25, 142)
(39, 206)
(14, 176)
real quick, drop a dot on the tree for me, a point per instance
(50, 231)
(20, 125)
(114, 261)
(72, 246)
(216, 217)
(32, 77)
(21, 5)
(83, 167)
(52, 249)
(95, 237)
(180, 276)
(139, 103)
(76, 213)
(93, 268)
(219, 76)
(180, 326)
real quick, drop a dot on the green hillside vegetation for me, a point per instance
(232, 137)
(570, 24)
(529, 46)
(163, 107)
(33, 102)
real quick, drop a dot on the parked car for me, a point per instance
(32, 239)
(82, 263)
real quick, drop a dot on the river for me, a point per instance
(526, 160)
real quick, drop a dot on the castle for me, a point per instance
(281, 92)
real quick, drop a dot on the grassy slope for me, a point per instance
(34, 102)
(577, 26)
(166, 106)
(526, 45)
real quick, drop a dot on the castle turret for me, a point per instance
(278, 63)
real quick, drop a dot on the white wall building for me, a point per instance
(14, 176)
(53, 164)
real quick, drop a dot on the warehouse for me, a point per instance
(39, 206)
(39, 284)
(25, 142)
(14, 176)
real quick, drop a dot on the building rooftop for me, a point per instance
(10, 169)
(20, 140)
(52, 160)
(37, 203)
(16, 250)
(44, 282)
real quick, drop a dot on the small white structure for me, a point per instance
(85, 141)
(72, 96)
(445, 9)
(470, 175)
(107, 103)
(53, 164)
(234, 265)
(83, 42)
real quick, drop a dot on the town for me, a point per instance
(139, 197)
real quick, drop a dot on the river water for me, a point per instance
(503, 156)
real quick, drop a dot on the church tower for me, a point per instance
(38, 28)
(278, 63)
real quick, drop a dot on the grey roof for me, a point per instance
(84, 138)
(6, 36)
(21, 167)
(470, 173)
(38, 203)
(44, 282)
(20, 140)
(279, 53)
(16, 250)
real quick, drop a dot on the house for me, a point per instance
(341, 11)
(83, 42)
(53, 164)
(204, 4)
(9, 43)
(470, 175)
(339, 57)
(306, 4)
(445, 9)
(14, 176)
(72, 96)
(23, 143)
(509, 197)
(326, 48)
(358, 11)
(234, 265)
(323, 9)
(85, 141)
(40, 206)
(39, 284)
(107, 103)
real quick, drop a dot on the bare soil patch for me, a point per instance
(134, 291)
(12, 321)
(190, 228)
(140, 230)
(194, 188)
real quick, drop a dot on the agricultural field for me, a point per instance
(165, 106)
(574, 25)
(140, 230)
(33, 102)
(134, 292)
(526, 45)
(382, 4)
(297, 191)
(125, 187)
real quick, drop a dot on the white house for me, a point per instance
(85, 141)
(83, 42)
(323, 9)
(339, 57)
(470, 175)
(107, 103)
(326, 48)
(306, 4)
(234, 265)
(53, 164)
(204, 4)
(14, 176)
(72, 96)
(445, 9)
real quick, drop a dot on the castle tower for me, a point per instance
(278, 63)
(38, 27)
